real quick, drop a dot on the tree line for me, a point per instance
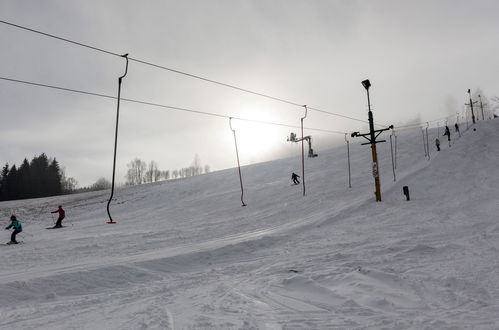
(40, 177)
(43, 177)
(141, 172)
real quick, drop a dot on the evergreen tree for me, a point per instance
(54, 178)
(39, 169)
(25, 179)
(13, 191)
(39, 178)
(3, 182)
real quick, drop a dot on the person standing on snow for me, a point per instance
(62, 215)
(17, 229)
(447, 132)
(437, 143)
(295, 177)
(456, 126)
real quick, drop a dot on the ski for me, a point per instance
(55, 227)
(9, 243)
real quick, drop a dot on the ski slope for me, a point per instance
(185, 254)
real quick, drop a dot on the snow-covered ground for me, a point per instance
(185, 254)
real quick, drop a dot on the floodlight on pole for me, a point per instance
(366, 83)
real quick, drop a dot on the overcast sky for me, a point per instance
(421, 58)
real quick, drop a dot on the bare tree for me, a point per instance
(156, 176)
(196, 165)
(152, 174)
(69, 185)
(136, 172)
(495, 107)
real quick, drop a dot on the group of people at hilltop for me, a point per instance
(16, 224)
(446, 133)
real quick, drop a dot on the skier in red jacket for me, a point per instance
(62, 214)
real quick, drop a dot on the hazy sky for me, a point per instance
(421, 58)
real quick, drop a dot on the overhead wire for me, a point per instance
(78, 91)
(185, 73)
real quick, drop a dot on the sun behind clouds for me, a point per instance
(257, 140)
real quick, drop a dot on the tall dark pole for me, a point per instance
(348, 157)
(303, 151)
(393, 161)
(481, 106)
(424, 144)
(373, 134)
(238, 163)
(471, 105)
(373, 147)
(427, 140)
(116, 139)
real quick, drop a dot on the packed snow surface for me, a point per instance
(185, 254)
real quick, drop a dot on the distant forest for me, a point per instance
(41, 177)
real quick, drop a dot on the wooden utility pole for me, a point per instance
(373, 134)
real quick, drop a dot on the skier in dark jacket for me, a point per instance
(62, 215)
(17, 229)
(447, 132)
(456, 126)
(295, 177)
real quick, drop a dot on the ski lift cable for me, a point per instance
(161, 105)
(290, 126)
(78, 91)
(60, 38)
(399, 128)
(181, 72)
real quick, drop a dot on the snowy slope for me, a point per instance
(186, 255)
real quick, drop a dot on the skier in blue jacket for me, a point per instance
(17, 229)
